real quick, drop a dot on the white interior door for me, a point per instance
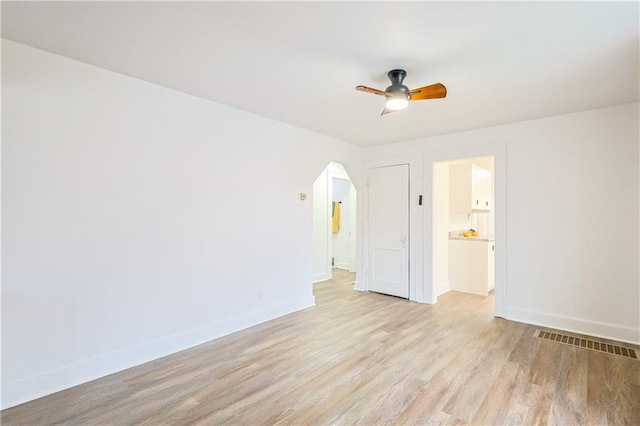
(388, 255)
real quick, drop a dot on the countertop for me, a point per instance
(457, 235)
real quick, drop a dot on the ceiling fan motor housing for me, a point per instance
(397, 77)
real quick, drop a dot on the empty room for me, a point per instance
(242, 213)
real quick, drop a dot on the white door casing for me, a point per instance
(388, 251)
(321, 228)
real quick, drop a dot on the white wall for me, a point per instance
(459, 221)
(571, 217)
(139, 221)
(441, 226)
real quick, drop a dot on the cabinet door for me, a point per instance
(480, 188)
(485, 191)
(475, 187)
(488, 190)
(470, 187)
(468, 266)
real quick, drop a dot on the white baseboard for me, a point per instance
(575, 325)
(321, 277)
(341, 265)
(358, 285)
(442, 288)
(62, 378)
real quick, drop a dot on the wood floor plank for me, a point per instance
(492, 409)
(362, 358)
(570, 396)
(545, 367)
(473, 383)
(613, 395)
(425, 407)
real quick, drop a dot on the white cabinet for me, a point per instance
(472, 266)
(470, 188)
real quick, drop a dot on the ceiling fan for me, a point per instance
(398, 95)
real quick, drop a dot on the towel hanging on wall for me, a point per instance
(336, 217)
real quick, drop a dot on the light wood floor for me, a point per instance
(362, 358)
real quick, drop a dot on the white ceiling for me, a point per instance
(299, 62)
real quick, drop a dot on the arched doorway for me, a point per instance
(334, 223)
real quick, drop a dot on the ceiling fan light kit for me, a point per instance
(397, 102)
(398, 95)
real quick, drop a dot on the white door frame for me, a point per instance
(416, 290)
(498, 150)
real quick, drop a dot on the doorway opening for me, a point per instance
(334, 225)
(464, 226)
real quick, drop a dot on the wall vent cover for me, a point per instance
(587, 344)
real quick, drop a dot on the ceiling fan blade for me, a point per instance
(433, 91)
(387, 111)
(371, 90)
